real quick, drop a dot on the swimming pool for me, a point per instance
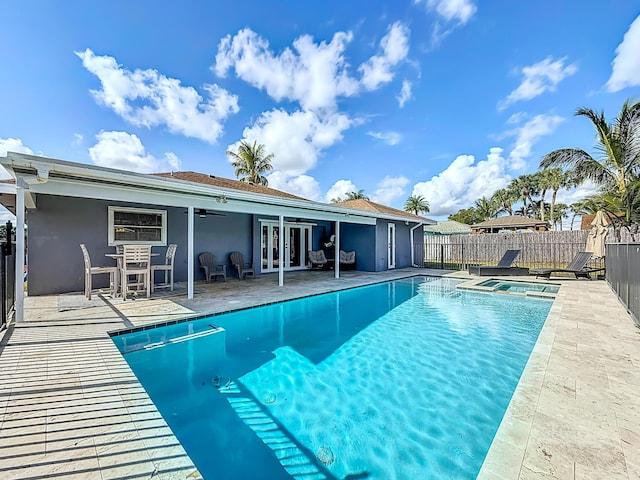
(406, 379)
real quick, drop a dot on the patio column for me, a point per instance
(336, 250)
(190, 252)
(281, 250)
(19, 278)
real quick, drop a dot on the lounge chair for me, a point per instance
(239, 265)
(347, 260)
(578, 267)
(317, 259)
(504, 266)
(210, 268)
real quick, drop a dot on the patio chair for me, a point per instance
(210, 268)
(317, 259)
(578, 267)
(90, 271)
(503, 267)
(347, 260)
(239, 265)
(166, 267)
(136, 270)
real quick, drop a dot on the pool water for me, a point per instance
(513, 286)
(406, 379)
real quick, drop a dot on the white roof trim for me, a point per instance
(91, 181)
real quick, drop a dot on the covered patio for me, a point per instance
(68, 204)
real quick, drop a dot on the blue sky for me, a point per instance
(449, 99)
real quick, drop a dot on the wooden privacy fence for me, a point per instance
(537, 249)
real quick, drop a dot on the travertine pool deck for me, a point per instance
(70, 407)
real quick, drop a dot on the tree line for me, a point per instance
(614, 169)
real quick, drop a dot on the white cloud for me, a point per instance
(390, 138)
(301, 185)
(527, 135)
(540, 77)
(340, 190)
(125, 151)
(378, 69)
(295, 139)
(405, 93)
(314, 75)
(11, 145)
(626, 65)
(450, 14)
(78, 138)
(148, 98)
(459, 11)
(390, 189)
(586, 189)
(463, 182)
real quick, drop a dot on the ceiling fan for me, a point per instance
(204, 213)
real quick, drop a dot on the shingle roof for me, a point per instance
(513, 221)
(362, 204)
(448, 227)
(203, 178)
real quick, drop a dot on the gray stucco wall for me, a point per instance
(358, 238)
(403, 245)
(60, 224)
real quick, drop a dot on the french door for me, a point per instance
(297, 239)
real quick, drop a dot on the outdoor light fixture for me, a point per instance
(202, 213)
(221, 199)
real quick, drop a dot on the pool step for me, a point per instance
(183, 338)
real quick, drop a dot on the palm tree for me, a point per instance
(577, 208)
(617, 163)
(416, 204)
(524, 186)
(561, 213)
(251, 162)
(486, 209)
(504, 198)
(336, 200)
(359, 195)
(554, 179)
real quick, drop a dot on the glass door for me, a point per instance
(296, 241)
(392, 246)
(295, 256)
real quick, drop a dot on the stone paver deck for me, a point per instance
(70, 407)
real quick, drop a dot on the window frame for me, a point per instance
(163, 228)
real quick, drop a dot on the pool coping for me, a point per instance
(575, 412)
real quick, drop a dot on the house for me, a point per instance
(447, 227)
(69, 203)
(512, 223)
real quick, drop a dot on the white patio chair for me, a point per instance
(90, 271)
(166, 267)
(136, 270)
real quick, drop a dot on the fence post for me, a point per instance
(441, 256)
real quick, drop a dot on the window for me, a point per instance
(137, 225)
